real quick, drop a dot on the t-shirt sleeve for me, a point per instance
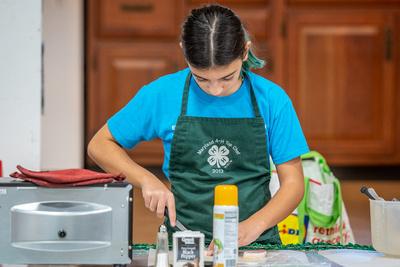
(286, 136)
(135, 122)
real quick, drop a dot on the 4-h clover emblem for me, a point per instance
(218, 155)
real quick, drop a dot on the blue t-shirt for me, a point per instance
(154, 110)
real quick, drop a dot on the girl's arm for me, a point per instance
(287, 198)
(112, 158)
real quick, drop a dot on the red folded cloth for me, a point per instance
(65, 178)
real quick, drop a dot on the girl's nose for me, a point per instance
(215, 89)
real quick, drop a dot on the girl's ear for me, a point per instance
(246, 50)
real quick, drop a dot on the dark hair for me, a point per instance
(214, 36)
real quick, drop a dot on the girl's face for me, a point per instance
(219, 81)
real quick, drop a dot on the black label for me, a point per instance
(188, 248)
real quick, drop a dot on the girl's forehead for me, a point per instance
(218, 72)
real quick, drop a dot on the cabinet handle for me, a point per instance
(283, 29)
(388, 44)
(137, 7)
(270, 65)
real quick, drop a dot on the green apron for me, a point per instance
(206, 152)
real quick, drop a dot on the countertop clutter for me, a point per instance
(320, 254)
(311, 258)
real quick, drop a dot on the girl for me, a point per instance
(219, 123)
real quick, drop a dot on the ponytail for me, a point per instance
(252, 62)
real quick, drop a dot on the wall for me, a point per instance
(36, 132)
(62, 120)
(20, 83)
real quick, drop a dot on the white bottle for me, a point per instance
(225, 226)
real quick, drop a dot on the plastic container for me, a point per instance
(225, 226)
(385, 230)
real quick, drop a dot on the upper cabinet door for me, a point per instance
(342, 82)
(120, 71)
(138, 17)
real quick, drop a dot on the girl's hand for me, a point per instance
(249, 231)
(157, 196)
(210, 250)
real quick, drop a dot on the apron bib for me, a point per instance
(206, 152)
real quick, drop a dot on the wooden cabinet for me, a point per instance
(122, 70)
(341, 77)
(338, 60)
(130, 43)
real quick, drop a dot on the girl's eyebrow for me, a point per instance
(199, 77)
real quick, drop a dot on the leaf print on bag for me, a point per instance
(218, 155)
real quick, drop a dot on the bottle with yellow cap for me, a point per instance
(225, 225)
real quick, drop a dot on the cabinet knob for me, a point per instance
(62, 233)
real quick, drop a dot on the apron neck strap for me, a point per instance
(185, 96)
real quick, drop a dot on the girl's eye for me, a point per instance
(201, 80)
(227, 79)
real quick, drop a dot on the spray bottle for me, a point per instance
(225, 226)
